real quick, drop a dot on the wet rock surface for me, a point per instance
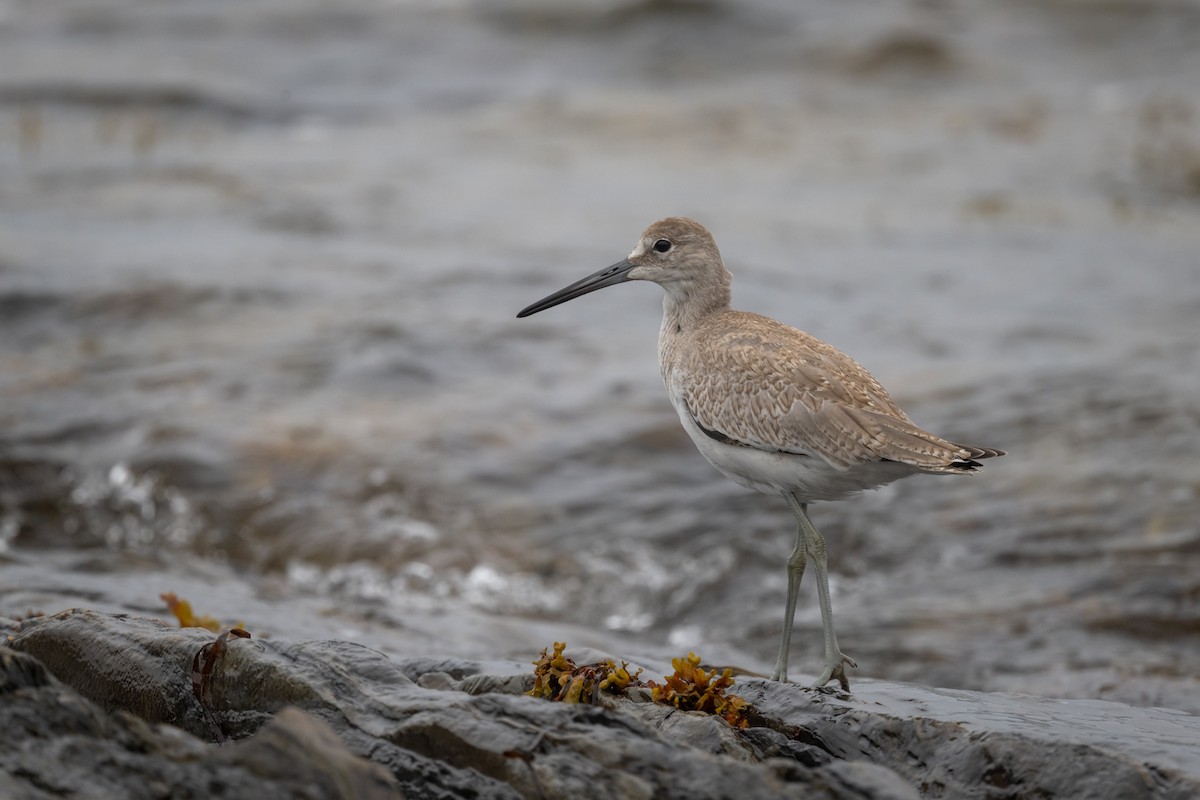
(56, 743)
(336, 719)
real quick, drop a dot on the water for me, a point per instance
(259, 266)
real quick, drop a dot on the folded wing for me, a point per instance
(765, 385)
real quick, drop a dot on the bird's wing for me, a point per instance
(763, 384)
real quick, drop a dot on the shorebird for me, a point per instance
(771, 407)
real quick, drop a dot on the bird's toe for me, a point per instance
(836, 669)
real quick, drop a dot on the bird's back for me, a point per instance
(751, 381)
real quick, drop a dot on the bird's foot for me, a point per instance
(836, 669)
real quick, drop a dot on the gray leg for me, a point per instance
(814, 547)
(795, 571)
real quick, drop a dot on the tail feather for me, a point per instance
(969, 463)
(917, 447)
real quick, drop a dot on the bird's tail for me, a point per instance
(908, 444)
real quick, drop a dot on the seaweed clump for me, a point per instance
(694, 689)
(690, 688)
(556, 677)
(203, 662)
(182, 610)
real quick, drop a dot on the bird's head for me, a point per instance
(677, 253)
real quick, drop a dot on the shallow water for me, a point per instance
(259, 266)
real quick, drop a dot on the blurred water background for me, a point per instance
(260, 261)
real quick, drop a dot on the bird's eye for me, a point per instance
(662, 245)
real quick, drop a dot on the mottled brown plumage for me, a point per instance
(766, 385)
(773, 408)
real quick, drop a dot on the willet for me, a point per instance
(771, 407)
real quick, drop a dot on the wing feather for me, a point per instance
(759, 383)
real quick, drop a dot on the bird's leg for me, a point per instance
(814, 546)
(795, 571)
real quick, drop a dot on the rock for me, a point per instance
(55, 743)
(952, 743)
(446, 728)
(436, 742)
(302, 754)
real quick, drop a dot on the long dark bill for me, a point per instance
(609, 276)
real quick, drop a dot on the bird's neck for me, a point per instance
(686, 305)
(683, 312)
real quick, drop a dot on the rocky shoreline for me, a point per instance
(102, 705)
